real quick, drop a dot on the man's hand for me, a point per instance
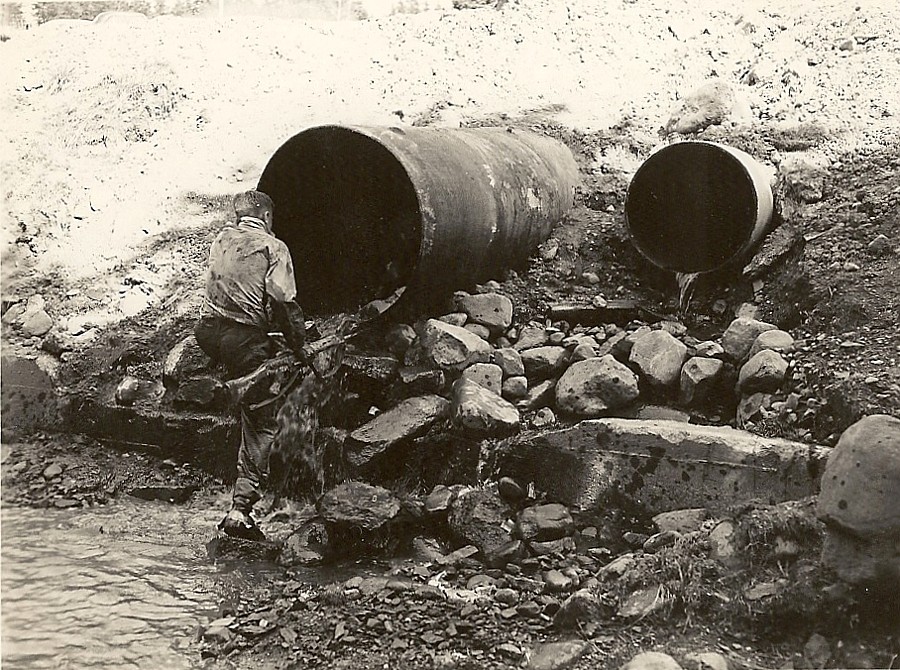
(289, 318)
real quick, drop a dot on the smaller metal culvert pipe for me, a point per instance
(695, 206)
(368, 211)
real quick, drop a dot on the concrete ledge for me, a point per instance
(207, 439)
(662, 465)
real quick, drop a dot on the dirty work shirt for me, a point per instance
(247, 267)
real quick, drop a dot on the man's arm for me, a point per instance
(282, 291)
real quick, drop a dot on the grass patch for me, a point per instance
(128, 103)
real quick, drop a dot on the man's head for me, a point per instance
(256, 204)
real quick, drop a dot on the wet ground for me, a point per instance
(124, 585)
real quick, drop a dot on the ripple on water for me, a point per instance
(129, 595)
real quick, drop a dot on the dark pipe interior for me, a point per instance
(691, 207)
(349, 213)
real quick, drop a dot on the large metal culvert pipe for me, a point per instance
(366, 211)
(695, 206)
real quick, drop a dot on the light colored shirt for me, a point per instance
(248, 267)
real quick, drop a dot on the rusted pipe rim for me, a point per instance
(693, 206)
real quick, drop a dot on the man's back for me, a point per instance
(245, 264)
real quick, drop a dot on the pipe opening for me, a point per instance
(348, 211)
(691, 207)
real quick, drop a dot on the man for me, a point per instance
(250, 293)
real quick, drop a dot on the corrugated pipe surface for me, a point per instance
(367, 211)
(695, 206)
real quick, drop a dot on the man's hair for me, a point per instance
(252, 203)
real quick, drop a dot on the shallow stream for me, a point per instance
(120, 586)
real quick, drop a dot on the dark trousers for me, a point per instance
(242, 349)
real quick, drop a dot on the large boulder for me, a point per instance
(858, 501)
(764, 373)
(492, 310)
(659, 357)
(488, 375)
(510, 362)
(776, 340)
(531, 337)
(589, 388)
(480, 518)
(544, 362)
(543, 523)
(700, 378)
(452, 347)
(410, 418)
(738, 338)
(482, 412)
(707, 105)
(357, 505)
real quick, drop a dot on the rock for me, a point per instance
(481, 412)
(420, 380)
(557, 655)
(618, 566)
(621, 348)
(802, 177)
(707, 661)
(583, 352)
(751, 408)
(880, 246)
(306, 546)
(708, 105)
(764, 373)
(544, 362)
(538, 396)
(506, 597)
(701, 380)
(492, 310)
(858, 502)
(486, 375)
(514, 388)
(709, 349)
(543, 417)
(358, 506)
(460, 555)
(659, 357)
(454, 319)
(582, 606)
(37, 324)
(817, 651)
(477, 329)
(681, 520)
(131, 390)
(726, 544)
(510, 490)
(642, 602)
(652, 660)
(452, 347)
(52, 471)
(481, 581)
(439, 499)
(557, 582)
(673, 328)
(511, 552)
(410, 418)
(201, 393)
(591, 387)
(217, 634)
(740, 335)
(531, 337)
(186, 359)
(612, 343)
(479, 517)
(776, 340)
(400, 338)
(661, 539)
(542, 523)
(563, 546)
(510, 362)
